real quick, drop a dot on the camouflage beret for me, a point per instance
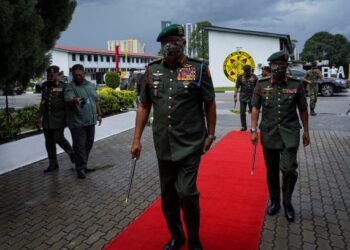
(53, 69)
(279, 56)
(171, 30)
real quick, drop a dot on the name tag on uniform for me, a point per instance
(186, 74)
(268, 90)
(289, 91)
(57, 89)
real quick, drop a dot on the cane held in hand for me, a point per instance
(130, 179)
(253, 160)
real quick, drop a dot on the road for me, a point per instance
(20, 101)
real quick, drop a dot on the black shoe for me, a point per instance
(273, 208)
(313, 113)
(243, 129)
(51, 168)
(80, 174)
(71, 156)
(174, 244)
(289, 212)
(195, 245)
(89, 170)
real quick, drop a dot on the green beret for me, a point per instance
(279, 56)
(53, 69)
(171, 30)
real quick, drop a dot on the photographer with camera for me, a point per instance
(83, 112)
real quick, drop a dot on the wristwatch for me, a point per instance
(211, 137)
(253, 130)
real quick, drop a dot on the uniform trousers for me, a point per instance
(286, 161)
(312, 90)
(83, 139)
(179, 191)
(243, 108)
(53, 136)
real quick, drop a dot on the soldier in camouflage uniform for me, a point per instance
(279, 97)
(311, 78)
(178, 88)
(52, 117)
(245, 84)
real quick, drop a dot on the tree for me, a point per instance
(325, 46)
(28, 30)
(112, 79)
(199, 44)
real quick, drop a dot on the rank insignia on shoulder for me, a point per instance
(186, 74)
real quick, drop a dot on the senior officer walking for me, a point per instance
(182, 94)
(245, 83)
(279, 97)
(52, 117)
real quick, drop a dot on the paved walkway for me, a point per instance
(59, 211)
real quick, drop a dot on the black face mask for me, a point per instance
(278, 71)
(172, 49)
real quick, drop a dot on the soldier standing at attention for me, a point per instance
(52, 117)
(279, 97)
(311, 78)
(179, 88)
(246, 83)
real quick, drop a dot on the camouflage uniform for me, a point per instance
(313, 75)
(246, 86)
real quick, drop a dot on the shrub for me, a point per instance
(112, 79)
(27, 117)
(9, 128)
(112, 101)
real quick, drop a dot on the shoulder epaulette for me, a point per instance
(155, 61)
(264, 78)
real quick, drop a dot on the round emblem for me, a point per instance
(234, 62)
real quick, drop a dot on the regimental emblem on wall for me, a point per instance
(234, 62)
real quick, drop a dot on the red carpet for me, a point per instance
(232, 202)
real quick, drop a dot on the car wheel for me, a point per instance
(327, 89)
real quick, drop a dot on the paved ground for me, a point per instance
(58, 211)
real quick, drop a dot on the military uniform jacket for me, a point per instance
(178, 95)
(280, 127)
(52, 99)
(313, 75)
(247, 85)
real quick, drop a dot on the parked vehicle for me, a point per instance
(327, 86)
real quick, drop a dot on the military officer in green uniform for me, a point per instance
(52, 117)
(245, 85)
(311, 78)
(279, 97)
(181, 92)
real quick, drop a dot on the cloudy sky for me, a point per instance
(96, 21)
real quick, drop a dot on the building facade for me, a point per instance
(130, 45)
(97, 61)
(231, 49)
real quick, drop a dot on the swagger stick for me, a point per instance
(130, 180)
(253, 160)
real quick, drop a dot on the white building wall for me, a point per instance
(221, 44)
(60, 59)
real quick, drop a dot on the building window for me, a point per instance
(73, 57)
(113, 59)
(107, 58)
(81, 58)
(102, 58)
(128, 59)
(93, 76)
(95, 58)
(89, 58)
(132, 59)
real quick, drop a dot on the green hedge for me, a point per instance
(111, 101)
